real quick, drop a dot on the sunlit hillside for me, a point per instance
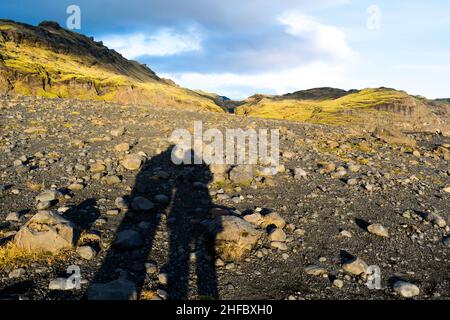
(49, 61)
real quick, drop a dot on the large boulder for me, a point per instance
(355, 266)
(132, 162)
(49, 196)
(406, 289)
(46, 231)
(273, 218)
(128, 240)
(234, 237)
(242, 174)
(219, 172)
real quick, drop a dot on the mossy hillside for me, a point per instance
(356, 106)
(28, 68)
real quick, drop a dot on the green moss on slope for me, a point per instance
(52, 62)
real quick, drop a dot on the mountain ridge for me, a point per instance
(367, 108)
(50, 61)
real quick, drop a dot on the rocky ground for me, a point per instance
(138, 226)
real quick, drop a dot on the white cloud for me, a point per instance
(288, 41)
(321, 57)
(239, 86)
(294, 52)
(163, 43)
(326, 40)
(426, 67)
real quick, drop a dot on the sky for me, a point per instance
(237, 48)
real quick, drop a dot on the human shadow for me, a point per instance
(190, 236)
(180, 192)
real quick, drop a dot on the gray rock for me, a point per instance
(162, 293)
(315, 270)
(337, 283)
(111, 180)
(13, 216)
(17, 273)
(254, 218)
(242, 174)
(446, 241)
(434, 218)
(378, 230)
(353, 167)
(355, 267)
(161, 198)
(128, 239)
(345, 233)
(122, 147)
(121, 203)
(236, 199)
(44, 205)
(278, 235)
(76, 187)
(80, 167)
(235, 237)
(299, 173)
(86, 252)
(341, 172)
(275, 219)
(46, 231)
(3, 187)
(406, 289)
(48, 196)
(279, 245)
(163, 278)
(117, 132)
(219, 262)
(151, 268)
(132, 162)
(141, 204)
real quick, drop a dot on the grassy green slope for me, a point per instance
(50, 61)
(367, 107)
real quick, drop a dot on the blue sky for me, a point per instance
(241, 47)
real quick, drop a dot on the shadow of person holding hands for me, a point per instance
(180, 192)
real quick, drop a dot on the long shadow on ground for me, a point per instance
(180, 192)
